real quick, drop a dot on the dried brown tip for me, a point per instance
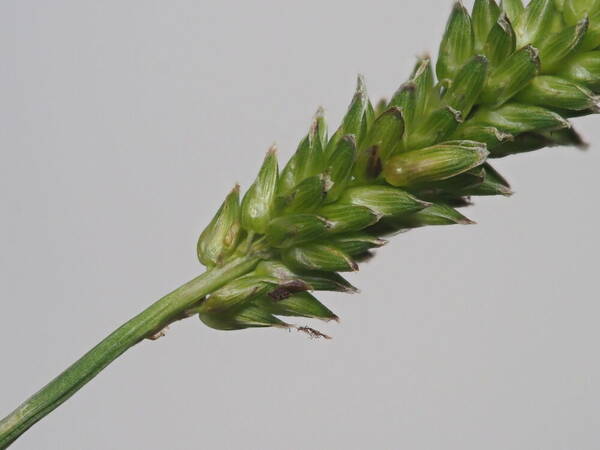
(157, 335)
(319, 113)
(272, 149)
(365, 257)
(349, 289)
(425, 56)
(287, 289)
(583, 145)
(312, 333)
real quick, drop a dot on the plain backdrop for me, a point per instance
(124, 123)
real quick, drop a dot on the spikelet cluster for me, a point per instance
(508, 78)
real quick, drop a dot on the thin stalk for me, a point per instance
(168, 309)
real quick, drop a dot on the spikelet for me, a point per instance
(509, 77)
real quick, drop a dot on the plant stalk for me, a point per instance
(168, 309)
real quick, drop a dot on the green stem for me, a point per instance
(168, 309)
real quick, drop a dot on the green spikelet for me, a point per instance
(467, 86)
(300, 304)
(513, 9)
(555, 92)
(422, 77)
(534, 22)
(221, 236)
(583, 69)
(339, 167)
(258, 203)
(437, 126)
(457, 44)
(439, 162)
(559, 46)
(485, 15)
(501, 42)
(386, 132)
(509, 77)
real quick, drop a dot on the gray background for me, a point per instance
(123, 125)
